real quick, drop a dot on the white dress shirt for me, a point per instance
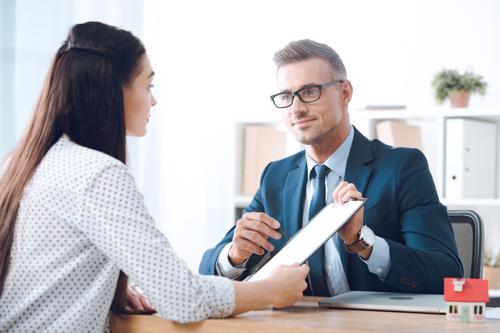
(379, 262)
(80, 222)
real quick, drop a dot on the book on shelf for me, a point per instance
(262, 144)
(399, 134)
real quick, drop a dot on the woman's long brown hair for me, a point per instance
(82, 98)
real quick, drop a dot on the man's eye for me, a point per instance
(310, 92)
(285, 97)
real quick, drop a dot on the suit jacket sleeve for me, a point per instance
(429, 251)
(209, 260)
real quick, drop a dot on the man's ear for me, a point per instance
(346, 92)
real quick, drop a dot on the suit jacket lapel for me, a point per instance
(361, 153)
(358, 174)
(294, 196)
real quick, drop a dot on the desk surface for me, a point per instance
(305, 318)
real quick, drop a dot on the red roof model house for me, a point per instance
(466, 299)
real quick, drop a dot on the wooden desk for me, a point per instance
(304, 318)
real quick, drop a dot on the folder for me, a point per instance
(470, 158)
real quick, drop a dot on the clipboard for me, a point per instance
(310, 238)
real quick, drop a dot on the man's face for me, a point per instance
(312, 123)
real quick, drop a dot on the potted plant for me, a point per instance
(449, 83)
(491, 270)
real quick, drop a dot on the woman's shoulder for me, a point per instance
(66, 149)
(68, 161)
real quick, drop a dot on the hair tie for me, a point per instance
(70, 45)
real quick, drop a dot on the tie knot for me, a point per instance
(320, 171)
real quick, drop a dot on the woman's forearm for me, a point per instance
(251, 295)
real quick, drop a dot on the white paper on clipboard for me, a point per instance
(311, 237)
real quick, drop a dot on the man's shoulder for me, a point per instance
(289, 161)
(278, 170)
(387, 153)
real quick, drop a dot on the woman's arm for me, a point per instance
(116, 221)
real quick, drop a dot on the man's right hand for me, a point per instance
(250, 236)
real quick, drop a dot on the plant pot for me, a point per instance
(492, 274)
(459, 99)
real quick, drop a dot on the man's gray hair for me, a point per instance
(305, 49)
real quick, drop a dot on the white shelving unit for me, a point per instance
(433, 126)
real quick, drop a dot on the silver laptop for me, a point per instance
(385, 301)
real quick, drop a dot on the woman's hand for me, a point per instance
(287, 284)
(283, 288)
(136, 302)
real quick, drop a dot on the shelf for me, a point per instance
(472, 113)
(433, 113)
(391, 114)
(471, 202)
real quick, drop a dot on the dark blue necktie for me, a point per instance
(317, 260)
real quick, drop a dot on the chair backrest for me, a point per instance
(468, 229)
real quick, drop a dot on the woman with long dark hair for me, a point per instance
(73, 225)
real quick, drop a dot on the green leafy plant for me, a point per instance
(449, 80)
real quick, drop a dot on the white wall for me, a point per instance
(213, 61)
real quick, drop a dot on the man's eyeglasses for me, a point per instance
(306, 94)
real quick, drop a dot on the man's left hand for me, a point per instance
(349, 233)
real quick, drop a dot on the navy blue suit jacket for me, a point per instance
(403, 208)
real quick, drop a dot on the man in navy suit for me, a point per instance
(401, 241)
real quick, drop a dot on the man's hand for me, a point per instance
(250, 236)
(350, 231)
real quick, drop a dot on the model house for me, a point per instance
(466, 299)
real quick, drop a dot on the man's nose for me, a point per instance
(297, 106)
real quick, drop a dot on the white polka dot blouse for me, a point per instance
(80, 222)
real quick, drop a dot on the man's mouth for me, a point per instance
(303, 121)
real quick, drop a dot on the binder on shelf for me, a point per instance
(262, 144)
(399, 134)
(470, 158)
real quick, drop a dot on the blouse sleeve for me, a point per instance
(116, 221)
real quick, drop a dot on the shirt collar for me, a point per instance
(337, 161)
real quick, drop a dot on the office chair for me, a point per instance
(468, 229)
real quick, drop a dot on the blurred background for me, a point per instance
(214, 72)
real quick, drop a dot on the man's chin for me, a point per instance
(306, 139)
